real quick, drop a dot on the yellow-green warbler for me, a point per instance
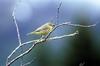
(43, 30)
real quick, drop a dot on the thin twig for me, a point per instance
(18, 34)
(58, 11)
(78, 25)
(63, 36)
(28, 63)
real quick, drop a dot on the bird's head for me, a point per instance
(51, 24)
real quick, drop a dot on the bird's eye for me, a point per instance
(53, 24)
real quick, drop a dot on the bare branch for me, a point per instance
(18, 34)
(78, 25)
(28, 63)
(33, 40)
(51, 38)
(59, 37)
(43, 40)
(58, 11)
(26, 52)
(70, 24)
(20, 46)
(66, 23)
(38, 42)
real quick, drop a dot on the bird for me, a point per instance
(43, 30)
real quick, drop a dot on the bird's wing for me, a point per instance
(44, 27)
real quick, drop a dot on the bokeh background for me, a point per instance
(70, 51)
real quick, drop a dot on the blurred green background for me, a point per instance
(69, 51)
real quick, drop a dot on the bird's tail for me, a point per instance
(30, 33)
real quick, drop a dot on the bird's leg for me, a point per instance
(42, 37)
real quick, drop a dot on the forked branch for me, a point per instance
(43, 40)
